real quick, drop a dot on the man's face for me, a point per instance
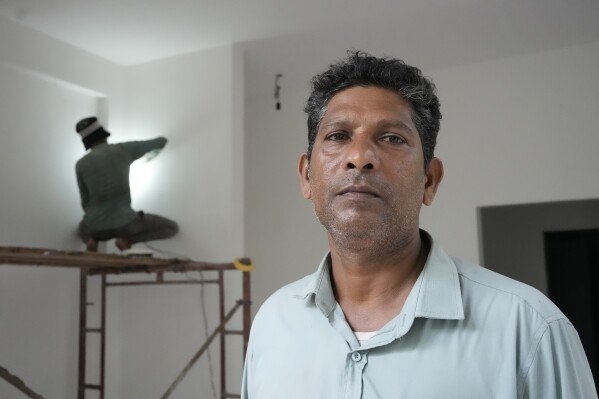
(366, 175)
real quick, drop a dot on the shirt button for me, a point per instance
(356, 357)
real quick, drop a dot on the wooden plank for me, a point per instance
(98, 263)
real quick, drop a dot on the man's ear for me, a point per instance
(434, 175)
(303, 169)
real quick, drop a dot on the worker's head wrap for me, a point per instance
(90, 131)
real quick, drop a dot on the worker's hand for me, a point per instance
(151, 154)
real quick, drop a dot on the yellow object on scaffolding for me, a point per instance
(243, 264)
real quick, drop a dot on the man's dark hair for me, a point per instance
(361, 69)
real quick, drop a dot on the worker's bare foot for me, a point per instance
(91, 245)
(122, 243)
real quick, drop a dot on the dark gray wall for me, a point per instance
(511, 236)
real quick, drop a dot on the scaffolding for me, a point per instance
(96, 264)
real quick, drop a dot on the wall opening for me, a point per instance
(554, 247)
(572, 259)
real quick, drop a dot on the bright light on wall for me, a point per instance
(142, 175)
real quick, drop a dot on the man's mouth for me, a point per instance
(359, 191)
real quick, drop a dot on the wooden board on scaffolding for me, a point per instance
(97, 263)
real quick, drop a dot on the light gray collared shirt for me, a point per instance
(464, 332)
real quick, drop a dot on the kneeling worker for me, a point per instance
(103, 179)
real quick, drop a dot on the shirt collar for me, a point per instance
(320, 286)
(438, 293)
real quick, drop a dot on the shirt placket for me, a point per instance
(356, 362)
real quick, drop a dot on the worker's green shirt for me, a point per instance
(103, 179)
(464, 332)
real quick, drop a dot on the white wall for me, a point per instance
(194, 100)
(38, 307)
(283, 236)
(514, 130)
(189, 99)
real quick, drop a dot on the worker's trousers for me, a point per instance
(145, 227)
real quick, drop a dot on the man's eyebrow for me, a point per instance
(394, 123)
(337, 122)
(381, 124)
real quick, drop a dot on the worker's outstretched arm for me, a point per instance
(137, 149)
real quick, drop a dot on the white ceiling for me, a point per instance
(299, 37)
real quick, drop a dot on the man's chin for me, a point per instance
(359, 230)
(358, 216)
(354, 224)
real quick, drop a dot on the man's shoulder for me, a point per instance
(292, 294)
(81, 162)
(101, 150)
(292, 291)
(115, 146)
(479, 282)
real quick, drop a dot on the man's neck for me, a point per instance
(99, 144)
(371, 288)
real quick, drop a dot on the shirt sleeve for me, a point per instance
(83, 192)
(137, 149)
(559, 368)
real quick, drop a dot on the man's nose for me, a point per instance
(361, 155)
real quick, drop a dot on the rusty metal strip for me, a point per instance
(18, 383)
(82, 333)
(221, 311)
(247, 311)
(103, 338)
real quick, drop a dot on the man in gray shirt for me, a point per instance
(388, 314)
(103, 180)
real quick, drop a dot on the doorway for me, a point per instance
(572, 259)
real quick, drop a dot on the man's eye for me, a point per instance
(338, 136)
(393, 139)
